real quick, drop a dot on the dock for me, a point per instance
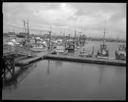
(86, 60)
(17, 56)
(26, 61)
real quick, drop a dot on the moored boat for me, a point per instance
(120, 53)
(60, 49)
(85, 53)
(103, 52)
(38, 48)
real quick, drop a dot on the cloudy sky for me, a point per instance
(88, 18)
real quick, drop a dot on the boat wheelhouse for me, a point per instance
(70, 46)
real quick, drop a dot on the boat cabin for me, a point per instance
(70, 46)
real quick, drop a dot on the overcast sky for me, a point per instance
(88, 18)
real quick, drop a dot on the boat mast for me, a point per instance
(64, 33)
(28, 27)
(104, 33)
(24, 26)
(104, 37)
(50, 38)
(75, 34)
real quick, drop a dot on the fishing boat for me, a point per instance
(70, 47)
(85, 53)
(120, 53)
(59, 49)
(38, 48)
(103, 52)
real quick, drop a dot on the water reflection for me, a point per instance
(73, 80)
(48, 71)
(58, 63)
(19, 75)
(101, 71)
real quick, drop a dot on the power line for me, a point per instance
(32, 29)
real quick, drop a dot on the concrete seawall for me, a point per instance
(71, 58)
(86, 60)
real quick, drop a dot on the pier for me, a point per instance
(27, 60)
(20, 73)
(14, 55)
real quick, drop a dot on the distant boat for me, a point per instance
(120, 54)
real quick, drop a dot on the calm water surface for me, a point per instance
(48, 79)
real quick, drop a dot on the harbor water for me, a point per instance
(50, 79)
